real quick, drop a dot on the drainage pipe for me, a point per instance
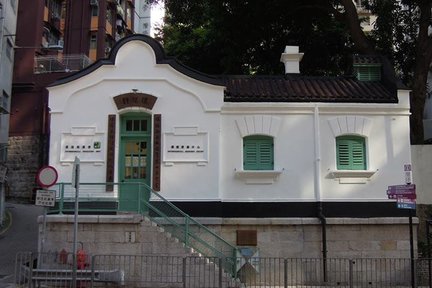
(317, 185)
(322, 218)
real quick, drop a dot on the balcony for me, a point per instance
(69, 63)
(94, 24)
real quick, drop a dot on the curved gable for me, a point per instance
(160, 56)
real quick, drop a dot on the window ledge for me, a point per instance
(258, 176)
(352, 173)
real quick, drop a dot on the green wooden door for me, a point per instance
(134, 162)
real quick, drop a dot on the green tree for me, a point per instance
(247, 37)
(402, 34)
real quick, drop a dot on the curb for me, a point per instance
(8, 223)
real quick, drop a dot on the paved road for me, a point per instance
(21, 236)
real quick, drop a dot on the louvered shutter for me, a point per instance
(368, 73)
(351, 153)
(258, 153)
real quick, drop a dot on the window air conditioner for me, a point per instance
(58, 46)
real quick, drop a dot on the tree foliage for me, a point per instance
(401, 34)
(247, 37)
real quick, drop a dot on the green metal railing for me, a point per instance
(190, 231)
(96, 198)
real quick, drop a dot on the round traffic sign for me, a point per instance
(47, 176)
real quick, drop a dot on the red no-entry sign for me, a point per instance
(47, 176)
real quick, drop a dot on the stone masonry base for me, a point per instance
(24, 160)
(276, 237)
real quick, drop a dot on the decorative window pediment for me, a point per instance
(355, 125)
(258, 125)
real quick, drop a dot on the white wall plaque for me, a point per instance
(89, 147)
(185, 147)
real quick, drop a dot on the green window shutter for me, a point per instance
(351, 153)
(368, 73)
(258, 153)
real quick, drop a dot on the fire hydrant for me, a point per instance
(81, 258)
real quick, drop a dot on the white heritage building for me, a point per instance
(281, 157)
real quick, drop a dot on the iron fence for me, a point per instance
(93, 199)
(65, 63)
(55, 270)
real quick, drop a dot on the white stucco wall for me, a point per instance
(182, 101)
(385, 126)
(304, 136)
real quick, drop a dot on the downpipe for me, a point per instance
(323, 220)
(317, 185)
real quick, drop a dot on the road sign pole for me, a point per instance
(76, 173)
(412, 249)
(42, 245)
(408, 181)
(46, 177)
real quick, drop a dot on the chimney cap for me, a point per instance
(291, 49)
(291, 59)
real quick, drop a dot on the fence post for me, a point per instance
(92, 267)
(30, 271)
(351, 271)
(186, 231)
(61, 198)
(184, 272)
(285, 273)
(220, 272)
(139, 199)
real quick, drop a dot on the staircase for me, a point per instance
(197, 270)
(165, 230)
(188, 231)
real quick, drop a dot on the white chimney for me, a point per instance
(291, 58)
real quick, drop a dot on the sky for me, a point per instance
(157, 14)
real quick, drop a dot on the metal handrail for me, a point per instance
(65, 63)
(53, 269)
(162, 212)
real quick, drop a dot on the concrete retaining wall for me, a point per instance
(276, 237)
(24, 160)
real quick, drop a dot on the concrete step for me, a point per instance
(165, 242)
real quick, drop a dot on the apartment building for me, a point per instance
(142, 17)
(53, 39)
(8, 17)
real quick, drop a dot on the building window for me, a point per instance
(93, 41)
(351, 153)
(5, 102)
(55, 8)
(13, 4)
(258, 152)
(9, 49)
(94, 10)
(136, 125)
(368, 73)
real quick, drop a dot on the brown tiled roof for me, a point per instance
(297, 88)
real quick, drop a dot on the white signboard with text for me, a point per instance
(186, 144)
(45, 198)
